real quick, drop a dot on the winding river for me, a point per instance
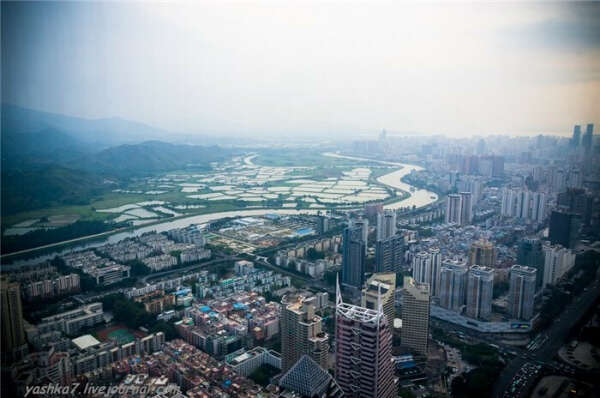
(418, 198)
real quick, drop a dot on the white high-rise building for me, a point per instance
(521, 292)
(518, 203)
(471, 184)
(466, 208)
(453, 209)
(453, 283)
(480, 288)
(426, 269)
(538, 207)
(558, 260)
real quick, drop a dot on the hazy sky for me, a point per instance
(308, 67)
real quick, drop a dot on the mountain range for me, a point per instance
(50, 159)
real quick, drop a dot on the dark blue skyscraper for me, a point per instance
(353, 260)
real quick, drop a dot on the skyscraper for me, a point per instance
(426, 269)
(577, 201)
(587, 139)
(530, 253)
(453, 209)
(386, 225)
(453, 284)
(372, 210)
(480, 287)
(380, 288)
(576, 136)
(522, 292)
(363, 224)
(564, 228)
(389, 254)
(415, 315)
(353, 257)
(466, 208)
(483, 253)
(301, 332)
(14, 345)
(363, 366)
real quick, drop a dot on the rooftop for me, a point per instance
(86, 341)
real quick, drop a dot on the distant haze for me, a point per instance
(308, 68)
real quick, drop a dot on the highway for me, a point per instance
(557, 334)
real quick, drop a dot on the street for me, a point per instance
(556, 338)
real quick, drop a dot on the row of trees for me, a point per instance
(41, 237)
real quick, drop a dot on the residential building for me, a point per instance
(389, 254)
(453, 209)
(480, 288)
(14, 345)
(522, 292)
(558, 260)
(71, 322)
(523, 204)
(415, 315)
(426, 269)
(380, 288)
(301, 332)
(453, 284)
(466, 208)
(483, 253)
